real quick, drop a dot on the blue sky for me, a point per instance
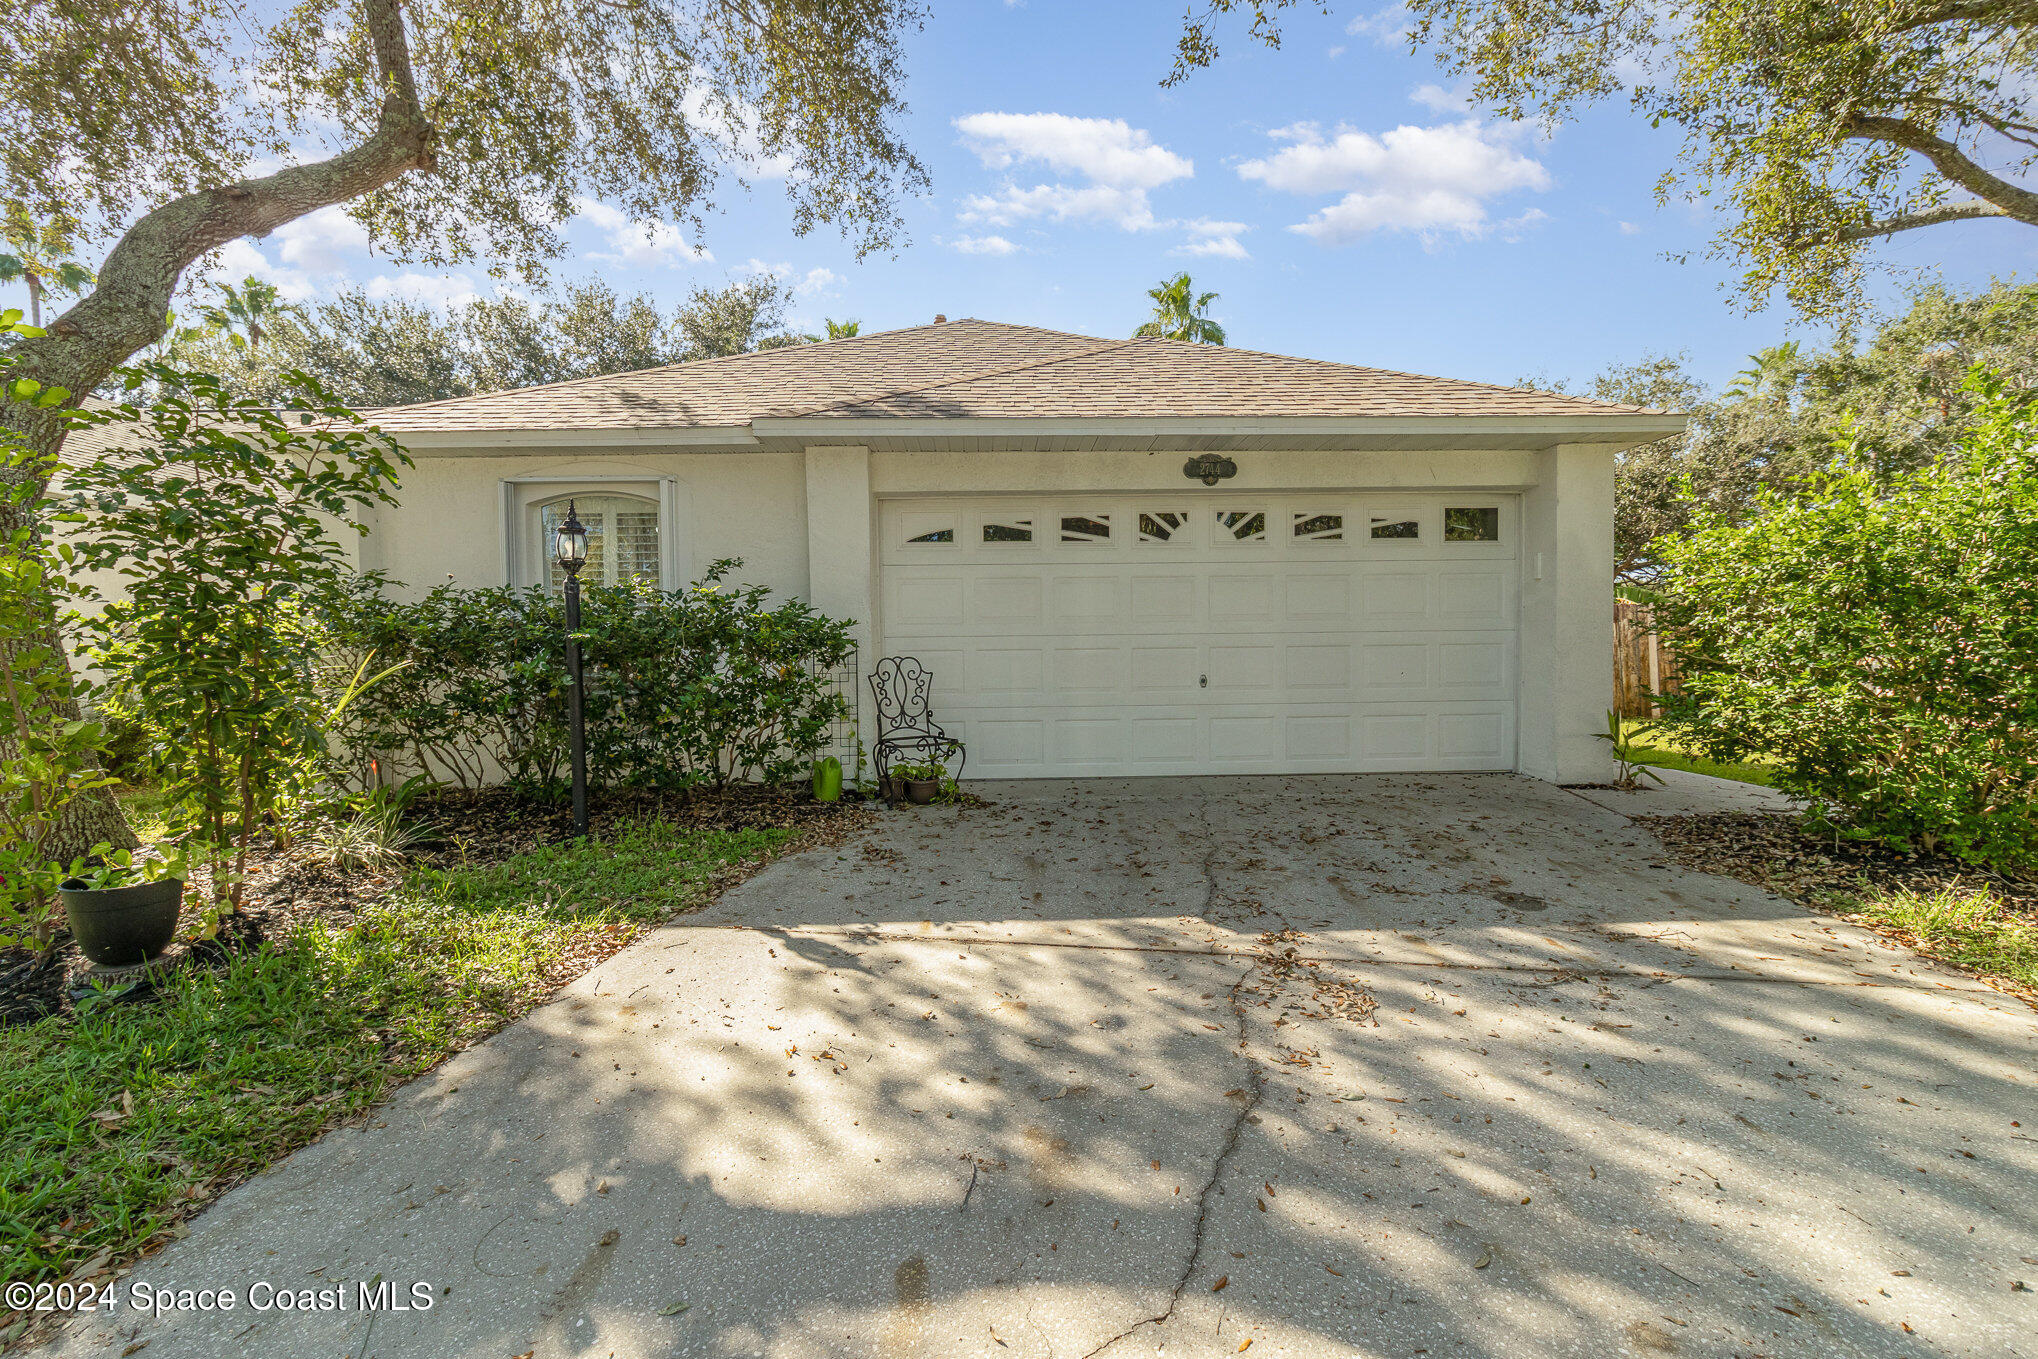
(1339, 199)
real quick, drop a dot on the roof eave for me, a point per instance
(1613, 427)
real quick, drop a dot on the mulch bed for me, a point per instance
(1774, 850)
(287, 889)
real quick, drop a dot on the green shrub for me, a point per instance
(218, 514)
(1877, 637)
(698, 686)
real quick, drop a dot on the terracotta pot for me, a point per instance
(120, 926)
(920, 792)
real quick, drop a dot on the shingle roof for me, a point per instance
(986, 370)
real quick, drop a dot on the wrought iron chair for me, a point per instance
(904, 690)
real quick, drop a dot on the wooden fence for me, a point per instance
(1642, 664)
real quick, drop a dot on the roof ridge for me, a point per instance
(1102, 347)
(1400, 372)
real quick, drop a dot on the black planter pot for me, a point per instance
(121, 926)
(920, 792)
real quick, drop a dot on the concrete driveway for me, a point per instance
(1330, 1066)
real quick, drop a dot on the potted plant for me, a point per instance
(122, 912)
(922, 782)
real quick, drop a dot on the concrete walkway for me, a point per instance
(1332, 1066)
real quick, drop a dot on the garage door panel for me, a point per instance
(1006, 671)
(1209, 653)
(1163, 670)
(1081, 671)
(1244, 672)
(1309, 739)
(1005, 599)
(927, 601)
(1319, 667)
(1237, 597)
(1163, 600)
(1390, 598)
(1320, 597)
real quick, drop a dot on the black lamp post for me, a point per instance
(570, 551)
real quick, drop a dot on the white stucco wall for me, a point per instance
(803, 523)
(450, 523)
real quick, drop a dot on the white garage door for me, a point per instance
(1213, 633)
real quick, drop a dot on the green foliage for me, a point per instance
(531, 111)
(919, 772)
(1901, 383)
(391, 352)
(1621, 736)
(50, 763)
(244, 314)
(1180, 313)
(1817, 127)
(218, 516)
(124, 1120)
(38, 255)
(704, 685)
(1874, 636)
(1974, 930)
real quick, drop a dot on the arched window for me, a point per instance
(622, 539)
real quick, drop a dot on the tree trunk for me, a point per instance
(129, 307)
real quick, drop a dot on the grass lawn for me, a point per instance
(1657, 749)
(123, 1121)
(1976, 931)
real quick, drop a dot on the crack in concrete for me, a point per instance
(1255, 1091)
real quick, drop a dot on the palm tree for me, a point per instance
(1180, 313)
(40, 258)
(843, 330)
(246, 312)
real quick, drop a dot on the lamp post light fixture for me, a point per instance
(570, 552)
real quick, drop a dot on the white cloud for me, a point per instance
(1434, 180)
(1630, 229)
(983, 245)
(1127, 209)
(1335, 52)
(819, 281)
(1117, 163)
(1103, 150)
(241, 259)
(1218, 239)
(1388, 25)
(1437, 99)
(644, 245)
(434, 290)
(318, 242)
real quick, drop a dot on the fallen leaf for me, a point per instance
(1246, 1346)
(1485, 1258)
(674, 1310)
(1222, 1280)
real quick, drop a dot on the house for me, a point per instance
(1119, 557)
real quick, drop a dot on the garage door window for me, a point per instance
(1242, 526)
(1008, 531)
(1086, 528)
(1389, 526)
(1319, 528)
(1476, 525)
(1162, 526)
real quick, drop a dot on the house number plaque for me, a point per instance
(1209, 469)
